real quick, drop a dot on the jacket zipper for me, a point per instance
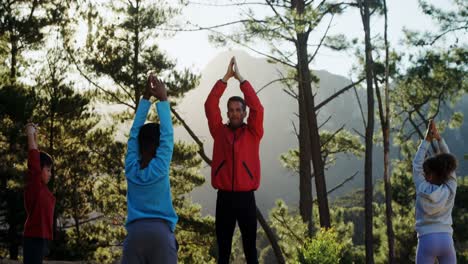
(233, 161)
(247, 169)
(219, 167)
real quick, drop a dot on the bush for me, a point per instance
(324, 248)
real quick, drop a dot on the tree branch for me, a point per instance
(321, 40)
(344, 89)
(201, 28)
(359, 133)
(201, 149)
(332, 136)
(274, 81)
(115, 97)
(341, 184)
(360, 106)
(326, 121)
(445, 33)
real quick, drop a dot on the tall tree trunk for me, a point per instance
(365, 15)
(76, 216)
(14, 55)
(12, 209)
(386, 138)
(136, 50)
(316, 154)
(305, 177)
(13, 219)
(271, 237)
(11, 196)
(52, 109)
(77, 229)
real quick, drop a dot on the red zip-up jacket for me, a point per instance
(236, 160)
(39, 202)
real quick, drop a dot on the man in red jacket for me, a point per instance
(39, 202)
(235, 168)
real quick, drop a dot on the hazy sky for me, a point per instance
(192, 49)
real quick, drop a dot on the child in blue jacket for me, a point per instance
(151, 218)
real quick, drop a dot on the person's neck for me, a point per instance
(235, 127)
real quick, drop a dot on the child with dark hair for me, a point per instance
(39, 202)
(151, 218)
(436, 186)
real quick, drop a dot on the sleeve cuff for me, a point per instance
(221, 80)
(162, 103)
(145, 101)
(32, 151)
(424, 143)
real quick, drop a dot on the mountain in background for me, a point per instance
(280, 113)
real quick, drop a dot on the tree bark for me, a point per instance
(386, 138)
(305, 176)
(136, 50)
(14, 56)
(13, 221)
(315, 146)
(365, 15)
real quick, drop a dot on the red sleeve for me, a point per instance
(34, 168)
(212, 111)
(255, 119)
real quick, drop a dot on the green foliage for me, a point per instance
(290, 230)
(124, 49)
(16, 106)
(448, 22)
(281, 28)
(456, 120)
(324, 248)
(342, 142)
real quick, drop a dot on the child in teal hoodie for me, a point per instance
(151, 217)
(436, 186)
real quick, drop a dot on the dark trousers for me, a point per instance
(149, 241)
(240, 207)
(34, 250)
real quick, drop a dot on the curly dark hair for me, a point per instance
(440, 167)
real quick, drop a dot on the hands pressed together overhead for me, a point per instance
(156, 88)
(432, 132)
(233, 71)
(31, 133)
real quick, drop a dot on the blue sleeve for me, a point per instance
(131, 160)
(418, 173)
(159, 165)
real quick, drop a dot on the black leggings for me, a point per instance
(34, 250)
(240, 207)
